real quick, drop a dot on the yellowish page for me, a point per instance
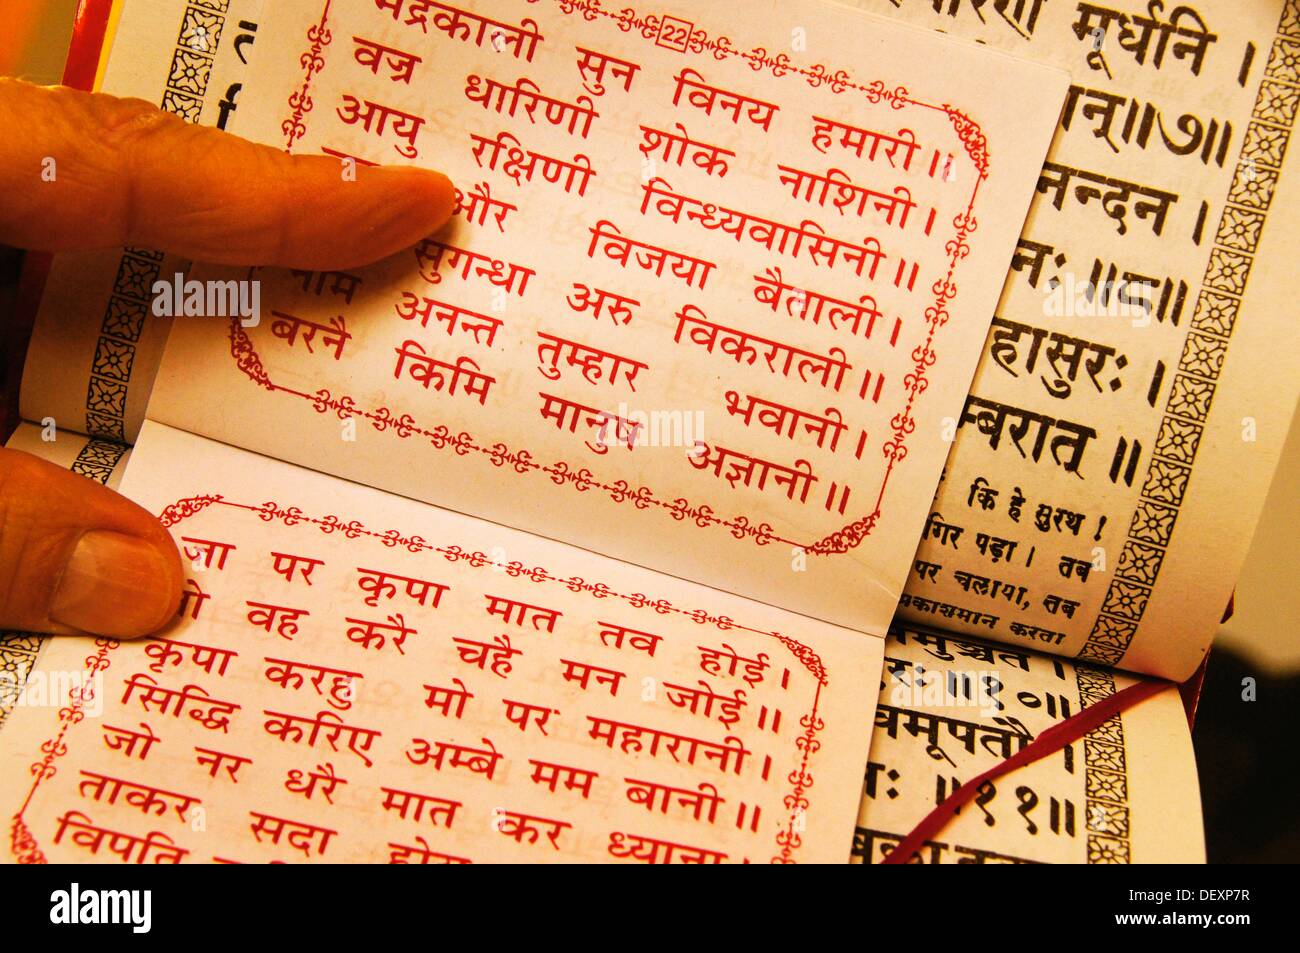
(719, 274)
(358, 677)
(951, 708)
(1147, 322)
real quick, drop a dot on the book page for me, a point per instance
(96, 341)
(358, 677)
(951, 708)
(1148, 315)
(718, 274)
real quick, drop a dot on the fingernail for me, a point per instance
(115, 585)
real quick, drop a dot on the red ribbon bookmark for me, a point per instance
(88, 31)
(1048, 742)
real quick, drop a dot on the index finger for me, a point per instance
(87, 170)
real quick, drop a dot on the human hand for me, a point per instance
(75, 557)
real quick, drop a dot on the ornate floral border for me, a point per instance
(1105, 775)
(789, 839)
(1241, 226)
(312, 62)
(580, 478)
(22, 843)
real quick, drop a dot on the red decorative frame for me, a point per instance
(25, 849)
(580, 478)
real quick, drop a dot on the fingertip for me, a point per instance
(424, 198)
(438, 191)
(384, 210)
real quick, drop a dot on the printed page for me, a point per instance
(1137, 385)
(96, 342)
(951, 708)
(718, 274)
(358, 677)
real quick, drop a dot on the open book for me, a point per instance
(576, 532)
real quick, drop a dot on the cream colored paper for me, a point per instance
(328, 378)
(951, 708)
(1187, 441)
(791, 694)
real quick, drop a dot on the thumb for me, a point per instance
(75, 557)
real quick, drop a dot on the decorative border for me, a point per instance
(25, 848)
(312, 61)
(1105, 775)
(580, 478)
(107, 389)
(23, 845)
(98, 459)
(1182, 425)
(18, 650)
